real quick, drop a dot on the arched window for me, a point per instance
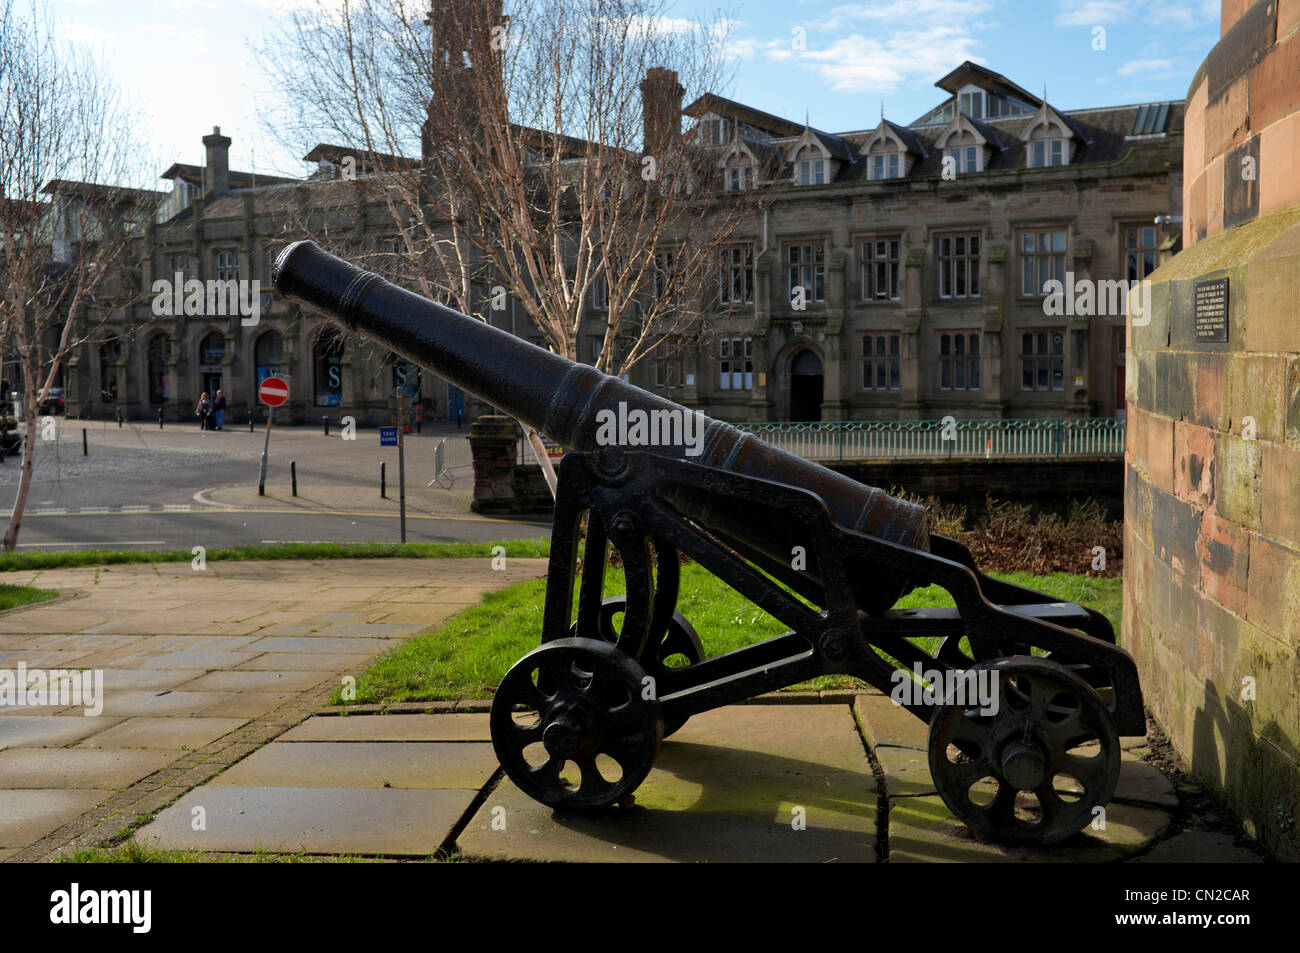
(158, 352)
(109, 353)
(327, 359)
(406, 377)
(266, 356)
(211, 351)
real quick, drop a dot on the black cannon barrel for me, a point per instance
(564, 399)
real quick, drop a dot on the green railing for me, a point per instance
(948, 437)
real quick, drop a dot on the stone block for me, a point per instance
(1194, 463)
(1237, 480)
(1280, 492)
(1273, 600)
(1224, 552)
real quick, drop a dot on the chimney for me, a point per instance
(661, 110)
(216, 167)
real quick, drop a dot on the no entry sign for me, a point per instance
(274, 391)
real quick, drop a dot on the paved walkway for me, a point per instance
(765, 781)
(200, 668)
(215, 736)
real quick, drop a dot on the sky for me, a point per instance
(189, 65)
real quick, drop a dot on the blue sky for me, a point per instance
(187, 64)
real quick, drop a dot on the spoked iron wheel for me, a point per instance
(1033, 769)
(571, 727)
(680, 646)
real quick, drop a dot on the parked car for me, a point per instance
(55, 402)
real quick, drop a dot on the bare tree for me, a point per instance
(552, 166)
(64, 238)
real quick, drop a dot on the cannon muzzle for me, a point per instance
(575, 405)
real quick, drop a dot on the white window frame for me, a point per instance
(1038, 264)
(870, 265)
(960, 360)
(735, 363)
(881, 356)
(954, 264)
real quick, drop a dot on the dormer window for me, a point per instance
(739, 178)
(972, 103)
(812, 172)
(1045, 152)
(965, 158)
(886, 165)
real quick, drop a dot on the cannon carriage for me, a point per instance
(578, 721)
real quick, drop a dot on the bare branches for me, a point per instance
(552, 161)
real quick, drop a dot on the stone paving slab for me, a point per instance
(727, 787)
(306, 662)
(262, 681)
(36, 731)
(888, 725)
(246, 704)
(26, 816)
(160, 703)
(449, 727)
(164, 733)
(389, 821)
(77, 767)
(380, 764)
(118, 679)
(322, 642)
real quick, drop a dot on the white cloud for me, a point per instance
(83, 33)
(1093, 12)
(876, 48)
(1143, 66)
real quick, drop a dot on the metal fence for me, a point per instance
(936, 439)
(949, 437)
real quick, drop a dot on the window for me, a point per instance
(965, 158)
(594, 348)
(740, 177)
(959, 266)
(972, 103)
(110, 352)
(1042, 360)
(327, 356)
(667, 282)
(1139, 251)
(886, 165)
(959, 362)
(270, 262)
(878, 269)
(1045, 152)
(736, 277)
(1042, 258)
(880, 362)
(600, 292)
(178, 264)
(812, 172)
(807, 270)
(266, 356)
(735, 366)
(668, 373)
(228, 265)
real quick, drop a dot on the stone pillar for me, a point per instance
(910, 405)
(1212, 480)
(493, 445)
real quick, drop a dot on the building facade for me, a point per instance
(897, 272)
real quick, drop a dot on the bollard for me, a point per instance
(326, 421)
(119, 418)
(160, 418)
(84, 452)
(250, 421)
(381, 482)
(293, 475)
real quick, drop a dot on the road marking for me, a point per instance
(102, 544)
(176, 507)
(51, 511)
(136, 509)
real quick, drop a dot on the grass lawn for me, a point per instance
(11, 596)
(105, 557)
(471, 651)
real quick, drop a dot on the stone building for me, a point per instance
(892, 272)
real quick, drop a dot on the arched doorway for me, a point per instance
(212, 350)
(266, 358)
(806, 386)
(157, 355)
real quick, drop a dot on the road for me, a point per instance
(141, 487)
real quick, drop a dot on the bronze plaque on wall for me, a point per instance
(1210, 311)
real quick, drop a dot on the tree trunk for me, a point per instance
(10, 542)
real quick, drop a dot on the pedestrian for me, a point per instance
(203, 410)
(219, 408)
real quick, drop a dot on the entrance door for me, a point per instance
(455, 403)
(806, 387)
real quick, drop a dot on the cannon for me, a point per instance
(1025, 696)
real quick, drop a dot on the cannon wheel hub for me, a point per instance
(571, 726)
(1034, 767)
